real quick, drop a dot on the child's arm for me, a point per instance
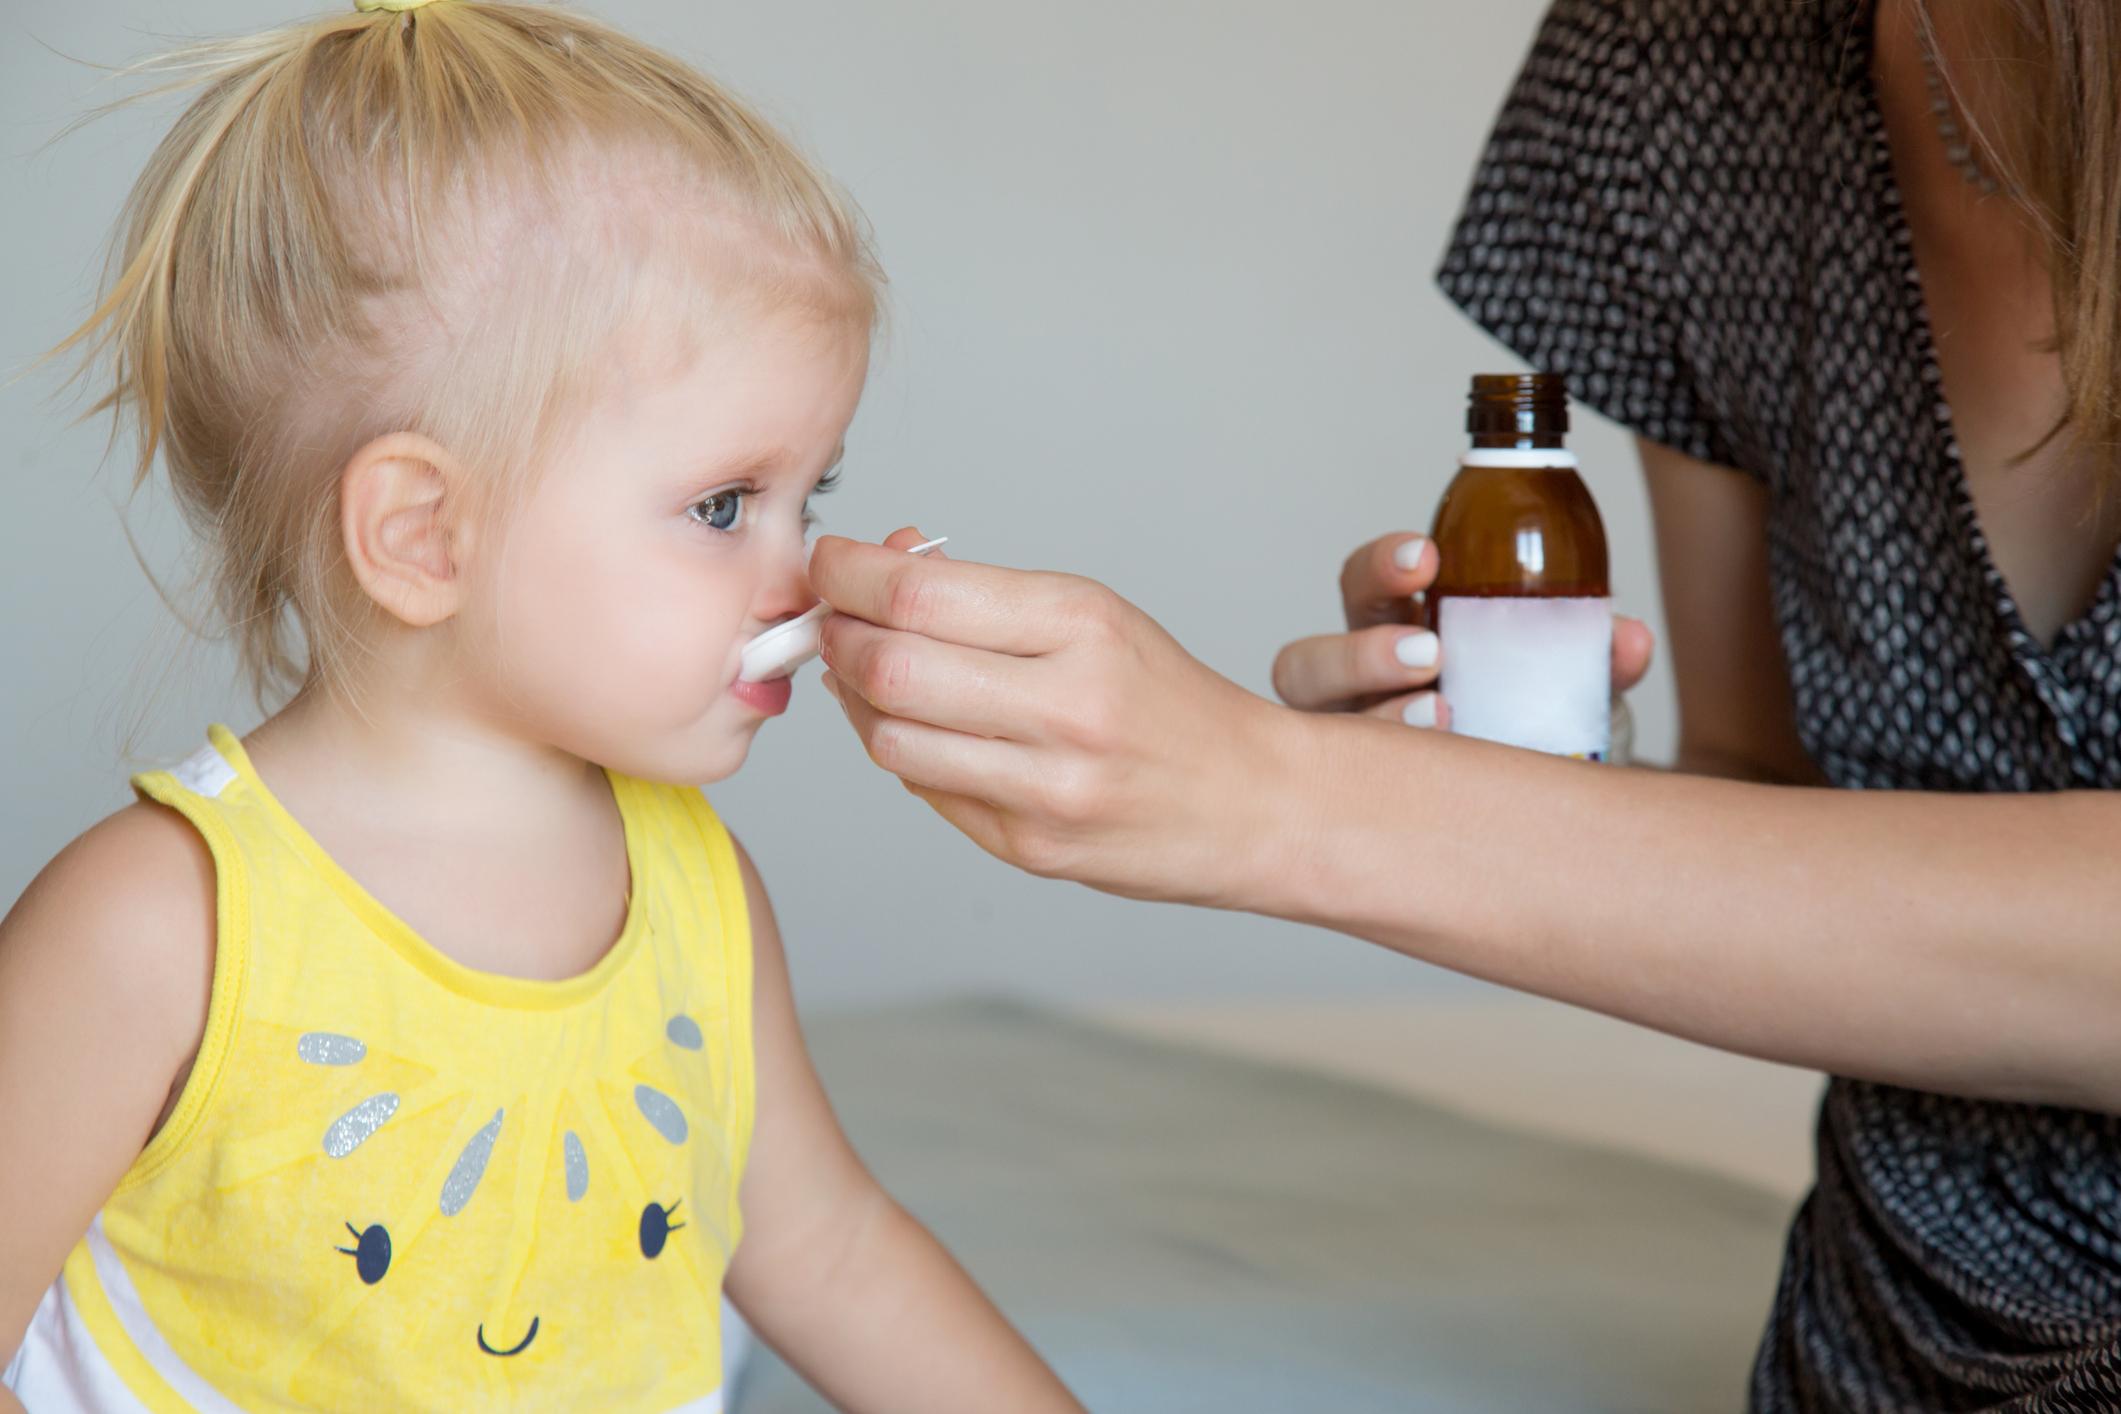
(844, 1283)
(106, 965)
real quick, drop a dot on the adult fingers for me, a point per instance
(1414, 709)
(980, 606)
(940, 683)
(1379, 581)
(1335, 670)
(1633, 647)
(973, 817)
(931, 756)
(910, 536)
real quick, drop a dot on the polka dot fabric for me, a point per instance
(1688, 207)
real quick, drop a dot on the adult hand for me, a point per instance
(1385, 664)
(1052, 721)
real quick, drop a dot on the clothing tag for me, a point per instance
(205, 772)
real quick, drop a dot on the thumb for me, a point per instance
(1633, 647)
(909, 537)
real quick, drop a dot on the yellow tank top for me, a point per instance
(395, 1183)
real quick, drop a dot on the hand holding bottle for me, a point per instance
(1386, 664)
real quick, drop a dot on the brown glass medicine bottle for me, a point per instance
(1522, 603)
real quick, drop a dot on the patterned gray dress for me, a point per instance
(1688, 207)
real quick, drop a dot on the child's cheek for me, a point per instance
(661, 647)
(671, 638)
(641, 635)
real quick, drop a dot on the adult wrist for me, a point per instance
(1285, 812)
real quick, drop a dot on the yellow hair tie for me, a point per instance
(369, 7)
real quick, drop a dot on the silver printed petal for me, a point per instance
(684, 1031)
(577, 1165)
(470, 1167)
(662, 1112)
(350, 1130)
(329, 1048)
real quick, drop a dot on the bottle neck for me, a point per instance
(1518, 458)
(1517, 441)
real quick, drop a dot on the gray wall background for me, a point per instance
(1162, 315)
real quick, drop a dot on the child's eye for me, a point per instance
(724, 510)
(370, 1252)
(656, 1228)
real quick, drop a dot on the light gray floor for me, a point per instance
(1179, 1229)
(1532, 1064)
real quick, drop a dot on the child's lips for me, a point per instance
(768, 699)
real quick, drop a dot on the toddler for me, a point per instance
(430, 1047)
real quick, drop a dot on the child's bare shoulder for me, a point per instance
(118, 931)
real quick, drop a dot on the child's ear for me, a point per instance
(401, 503)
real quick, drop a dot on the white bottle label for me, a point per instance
(1535, 673)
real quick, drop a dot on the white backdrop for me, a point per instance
(1162, 315)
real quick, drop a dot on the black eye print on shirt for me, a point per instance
(370, 1252)
(656, 1228)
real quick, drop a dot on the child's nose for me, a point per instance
(786, 589)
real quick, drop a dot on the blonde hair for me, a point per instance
(422, 221)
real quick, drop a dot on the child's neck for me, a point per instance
(505, 854)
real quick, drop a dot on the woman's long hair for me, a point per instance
(2044, 113)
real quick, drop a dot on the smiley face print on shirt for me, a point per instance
(560, 1245)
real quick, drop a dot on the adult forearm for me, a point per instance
(1952, 942)
(1959, 943)
(1726, 766)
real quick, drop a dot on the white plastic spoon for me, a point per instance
(782, 649)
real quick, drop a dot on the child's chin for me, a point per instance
(732, 760)
(694, 763)
(725, 761)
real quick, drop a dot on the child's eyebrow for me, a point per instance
(758, 463)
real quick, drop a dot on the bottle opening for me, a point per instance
(1518, 409)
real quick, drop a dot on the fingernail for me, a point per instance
(1417, 650)
(1408, 556)
(1421, 712)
